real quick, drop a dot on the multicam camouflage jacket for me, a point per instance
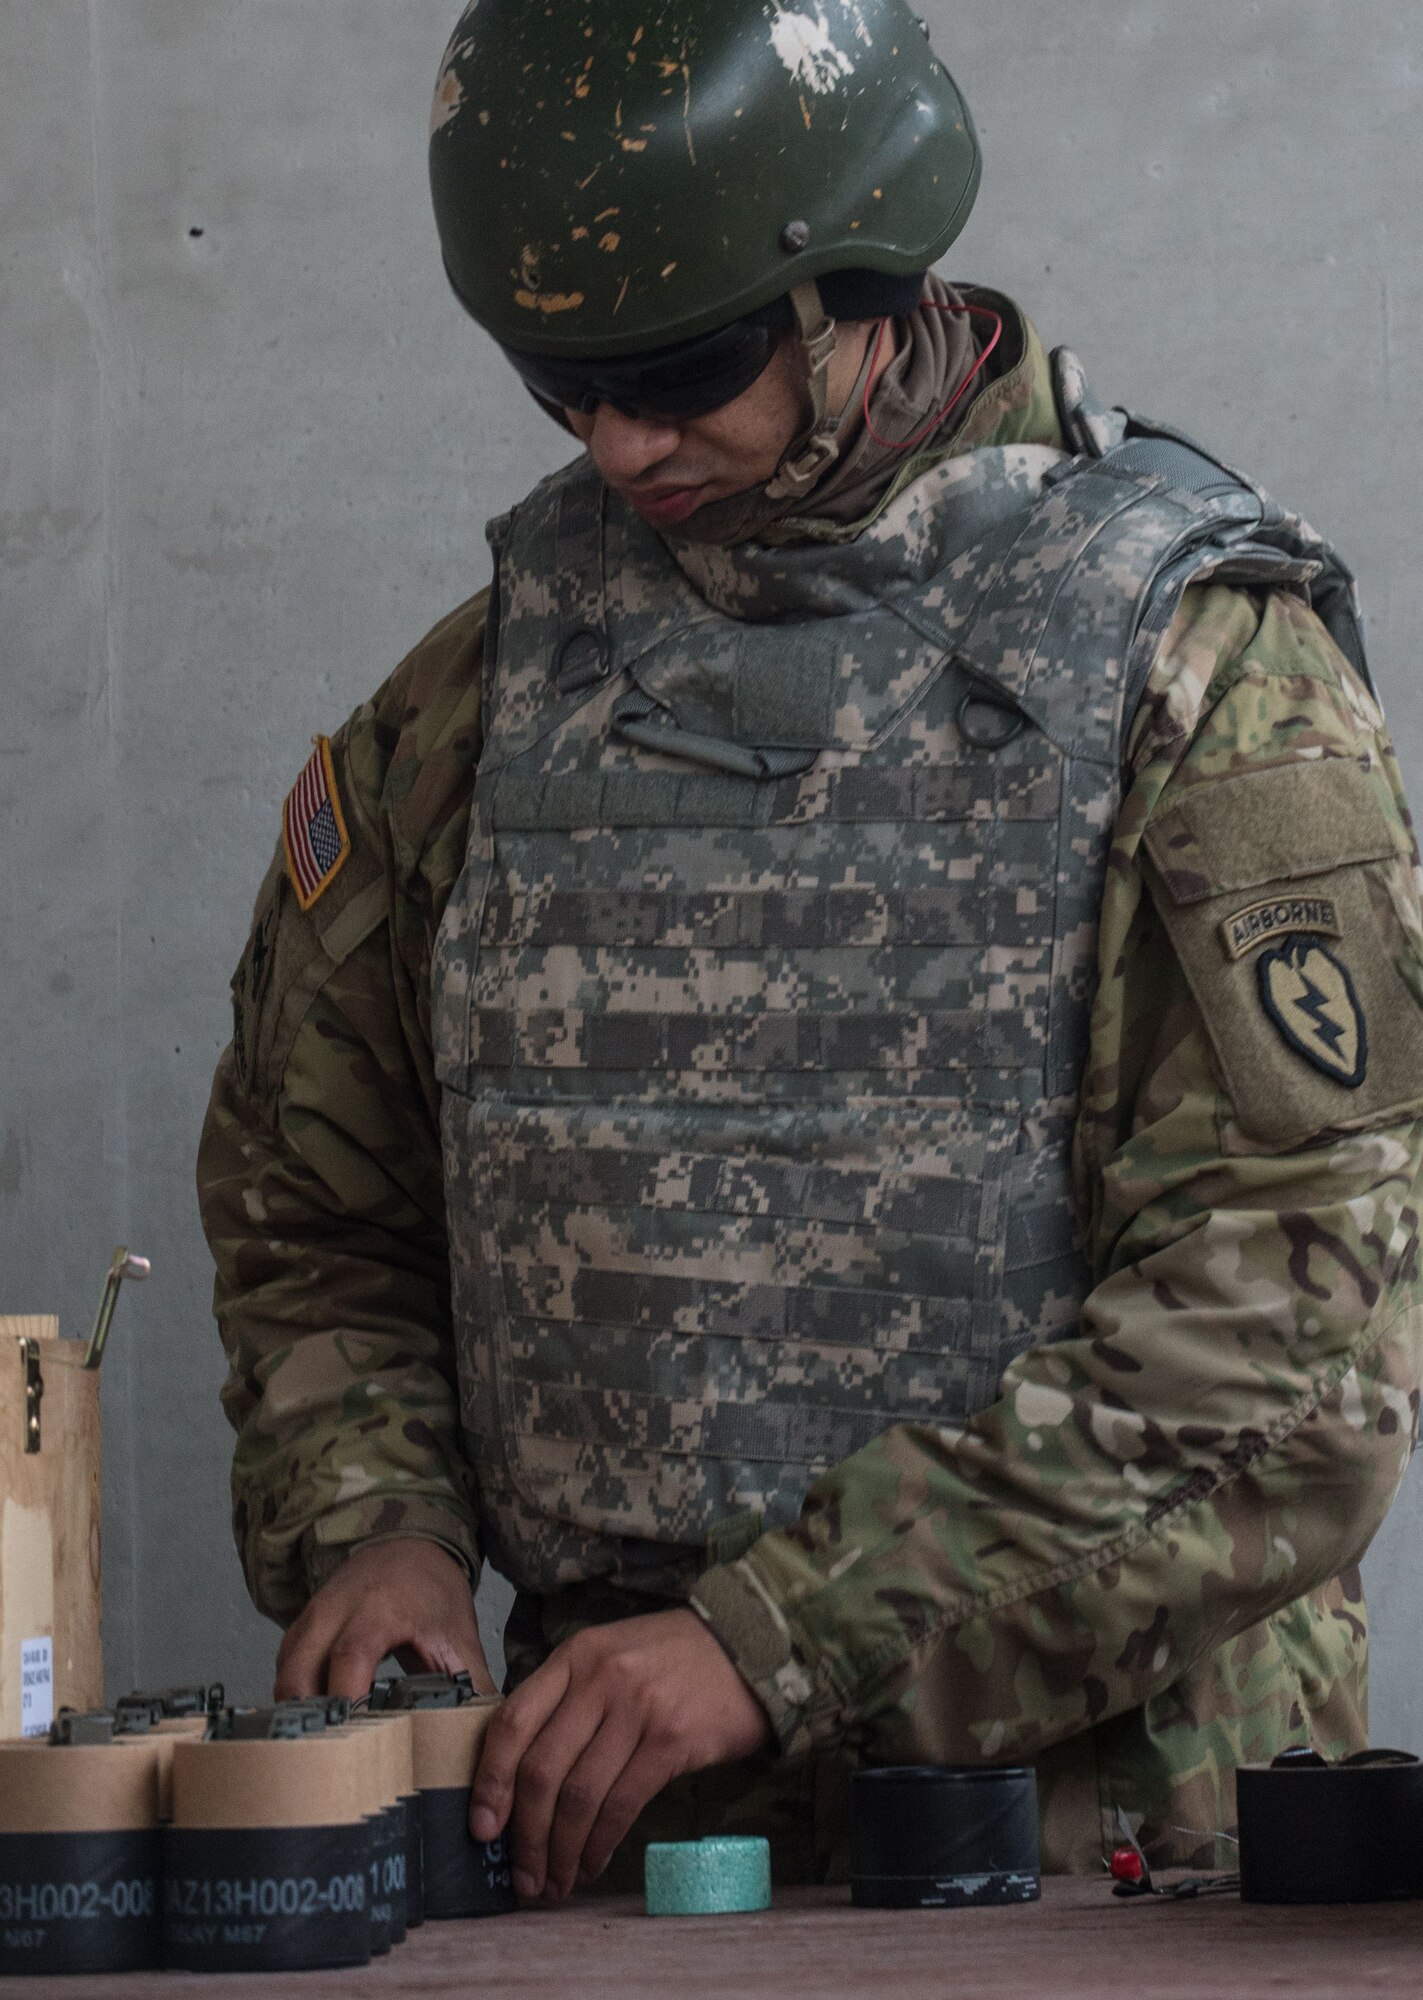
(1136, 1566)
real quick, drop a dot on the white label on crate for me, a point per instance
(36, 1686)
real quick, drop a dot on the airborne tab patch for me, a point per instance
(1276, 917)
(314, 828)
(1308, 995)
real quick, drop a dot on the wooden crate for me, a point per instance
(49, 1520)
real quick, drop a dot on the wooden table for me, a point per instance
(1078, 1941)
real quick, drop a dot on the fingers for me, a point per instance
(456, 1650)
(643, 1777)
(301, 1658)
(581, 1800)
(612, 1716)
(331, 1651)
(404, 1595)
(543, 1772)
(544, 1777)
(511, 1732)
(355, 1656)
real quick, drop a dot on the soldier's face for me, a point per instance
(668, 468)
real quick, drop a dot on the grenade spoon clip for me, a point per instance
(123, 1266)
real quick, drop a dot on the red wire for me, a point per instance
(931, 305)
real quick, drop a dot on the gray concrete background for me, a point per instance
(247, 446)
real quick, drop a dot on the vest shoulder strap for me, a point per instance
(1275, 549)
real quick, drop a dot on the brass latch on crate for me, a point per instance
(124, 1265)
(34, 1389)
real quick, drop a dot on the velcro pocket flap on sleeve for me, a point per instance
(1278, 890)
(1269, 826)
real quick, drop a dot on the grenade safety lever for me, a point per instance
(123, 1266)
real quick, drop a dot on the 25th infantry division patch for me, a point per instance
(314, 828)
(1310, 998)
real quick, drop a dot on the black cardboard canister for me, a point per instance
(394, 1841)
(380, 1906)
(461, 1876)
(414, 1863)
(267, 1863)
(385, 1869)
(925, 1836)
(79, 1858)
(1312, 1832)
(385, 1877)
(265, 1899)
(400, 1869)
(78, 1902)
(464, 1877)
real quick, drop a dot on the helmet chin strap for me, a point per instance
(811, 455)
(725, 523)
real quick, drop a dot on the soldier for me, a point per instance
(829, 1076)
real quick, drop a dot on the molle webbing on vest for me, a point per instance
(760, 1093)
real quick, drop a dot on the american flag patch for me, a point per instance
(314, 828)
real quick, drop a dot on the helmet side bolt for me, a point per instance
(795, 236)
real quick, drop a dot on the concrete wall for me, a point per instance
(247, 445)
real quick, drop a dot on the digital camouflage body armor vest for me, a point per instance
(762, 1002)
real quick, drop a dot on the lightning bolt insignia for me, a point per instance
(1316, 1005)
(1308, 994)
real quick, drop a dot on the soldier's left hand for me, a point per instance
(613, 1715)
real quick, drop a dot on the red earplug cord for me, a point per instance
(930, 305)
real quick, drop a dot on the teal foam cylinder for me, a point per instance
(706, 1878)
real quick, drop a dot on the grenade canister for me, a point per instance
(1315, 1832)
(386, 1759)
(399, 1747)
(925, 1837)
(79, 1852)
(266, 1864)
(463, 1877)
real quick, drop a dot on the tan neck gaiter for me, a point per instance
(936, 350)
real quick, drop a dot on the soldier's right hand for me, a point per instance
(406, 1596)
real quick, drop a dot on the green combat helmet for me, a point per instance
(610, 177)
(615, 180)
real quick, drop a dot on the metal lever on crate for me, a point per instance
(123, 1266)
